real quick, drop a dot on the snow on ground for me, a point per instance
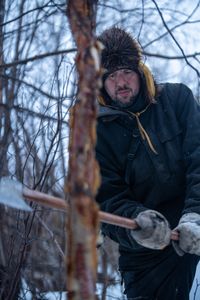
(195, 290)
(113, 292)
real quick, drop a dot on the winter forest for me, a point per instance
(38, 84)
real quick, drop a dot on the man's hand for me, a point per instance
(189, 235)
(154, 231)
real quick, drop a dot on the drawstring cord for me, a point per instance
(142, 131)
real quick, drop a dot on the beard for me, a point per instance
(120, 104)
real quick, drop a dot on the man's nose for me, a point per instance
(120, 80)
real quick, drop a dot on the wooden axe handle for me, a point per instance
(59, 203)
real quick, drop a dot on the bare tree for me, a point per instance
(35, 99)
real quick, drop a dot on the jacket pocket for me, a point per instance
(173, 149)
(169, 161)
(139, 166)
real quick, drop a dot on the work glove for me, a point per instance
(189, 235)
(153, 232)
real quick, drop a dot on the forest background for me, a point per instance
(37, 89)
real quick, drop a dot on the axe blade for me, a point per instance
(11, 194)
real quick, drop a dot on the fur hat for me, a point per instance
(122, 51)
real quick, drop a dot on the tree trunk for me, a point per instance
(83, 178)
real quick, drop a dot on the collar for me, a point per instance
(114, 110)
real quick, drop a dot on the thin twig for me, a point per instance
(52, 236)
(194, 55)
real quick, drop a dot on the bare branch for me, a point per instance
(27, 12)
(177, 26)
(32, 113)
(31, 86)
(194, 55)
(37, 57)
(174, 39)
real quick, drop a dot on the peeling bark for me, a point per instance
(83, 177)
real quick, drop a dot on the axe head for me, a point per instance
(11, 194)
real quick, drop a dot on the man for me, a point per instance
(148, 148)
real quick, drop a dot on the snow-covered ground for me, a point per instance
(113, 292)
(195, 291)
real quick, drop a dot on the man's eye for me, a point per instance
(112, 76)
(128, 71)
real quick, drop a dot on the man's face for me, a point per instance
(122, 86)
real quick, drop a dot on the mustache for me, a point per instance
(123, 88)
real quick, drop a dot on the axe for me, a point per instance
(12, 193)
